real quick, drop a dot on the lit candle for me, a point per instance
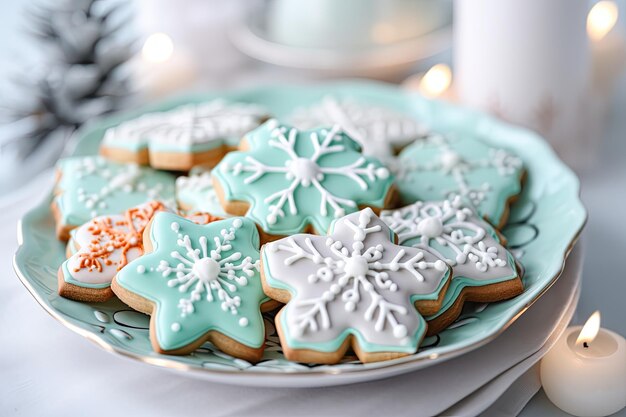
(584, 373)
(434, 83)
(608, 46)
(162, 69)
(601, 19)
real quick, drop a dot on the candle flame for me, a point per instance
(601, 19)
(157, 48)
(590, 329)
(436, 80)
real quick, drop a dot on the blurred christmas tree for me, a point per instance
(81, 76)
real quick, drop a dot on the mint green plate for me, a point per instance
(543, 226)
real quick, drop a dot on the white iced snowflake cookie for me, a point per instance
(290, 181)
(353, 288)
(380, 130)
(199, 283)
(196, 193)
(183, 137)
(482, 269)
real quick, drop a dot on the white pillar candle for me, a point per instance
(608, 46)
(528, 62)
(584, 373)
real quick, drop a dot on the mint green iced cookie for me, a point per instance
(289, 180)
(92, 186)
(200, 283)
(442, 167)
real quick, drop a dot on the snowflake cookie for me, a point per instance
(353, 288)
(196, 193)
(185, 136)
(380, 130)
(101, 247)
(439, 168)
(288, 180)
(90, 186)
(199, 283)
(482, 269)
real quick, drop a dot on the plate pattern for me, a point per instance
(543, 226)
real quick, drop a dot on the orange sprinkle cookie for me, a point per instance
(115, 235)
(103, 246)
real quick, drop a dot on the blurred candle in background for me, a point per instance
(434, 83)
(198, 29)
(528, 62)
(161, 69)
(608, 46)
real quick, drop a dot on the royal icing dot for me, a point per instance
(176, 327)
(175, 227)
(141, 269)
(243, 322)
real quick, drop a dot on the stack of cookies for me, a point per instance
(366, 231)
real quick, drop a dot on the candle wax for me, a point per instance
(586, 381)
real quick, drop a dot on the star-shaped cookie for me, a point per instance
(199, 283)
